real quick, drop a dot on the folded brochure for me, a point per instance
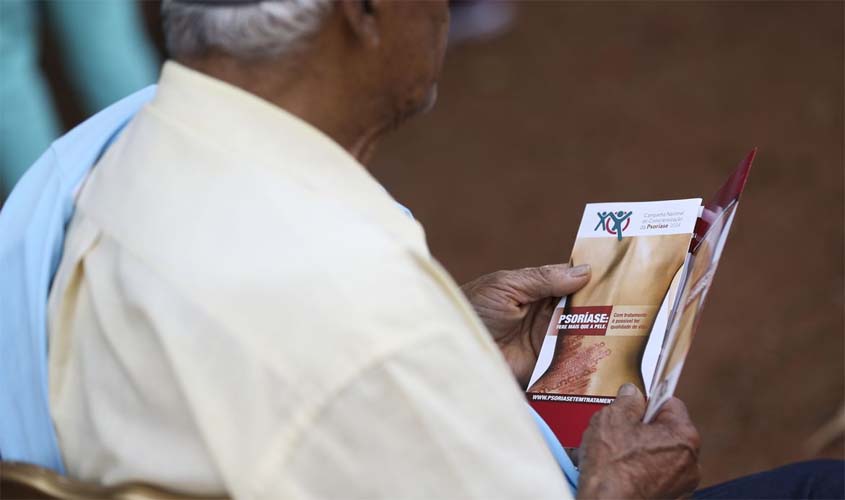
(652, 265)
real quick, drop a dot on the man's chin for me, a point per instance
(417, 106)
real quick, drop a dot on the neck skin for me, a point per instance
(321, 84)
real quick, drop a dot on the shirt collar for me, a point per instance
(256, 130)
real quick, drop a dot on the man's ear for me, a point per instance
(361, 17)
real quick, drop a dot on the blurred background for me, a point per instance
(548, 105)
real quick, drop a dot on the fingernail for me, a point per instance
(578, 271)
(628, 390)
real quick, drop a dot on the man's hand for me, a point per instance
(516, 307)
(621, 457)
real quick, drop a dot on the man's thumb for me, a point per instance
(537, 283)
(630, 400)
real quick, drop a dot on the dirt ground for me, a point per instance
(637, 101)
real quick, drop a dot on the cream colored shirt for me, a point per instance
(242, 309)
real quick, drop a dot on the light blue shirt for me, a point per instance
(32, 232)
(563, 460)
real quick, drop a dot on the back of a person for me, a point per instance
(225, 319)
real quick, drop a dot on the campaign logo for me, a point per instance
(614, 222)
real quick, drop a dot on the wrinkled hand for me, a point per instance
(621, 457)
(516, 307)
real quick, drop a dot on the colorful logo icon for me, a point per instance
(614, 222)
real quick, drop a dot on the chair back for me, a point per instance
(31, 482)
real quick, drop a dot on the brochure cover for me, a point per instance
(633, 322)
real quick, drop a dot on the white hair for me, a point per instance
(252, 30)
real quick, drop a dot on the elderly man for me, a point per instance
(242, 309)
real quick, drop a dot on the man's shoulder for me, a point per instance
(178, 202)
(257, 238)
(252, 241)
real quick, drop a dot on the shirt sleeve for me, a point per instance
(435, 420)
